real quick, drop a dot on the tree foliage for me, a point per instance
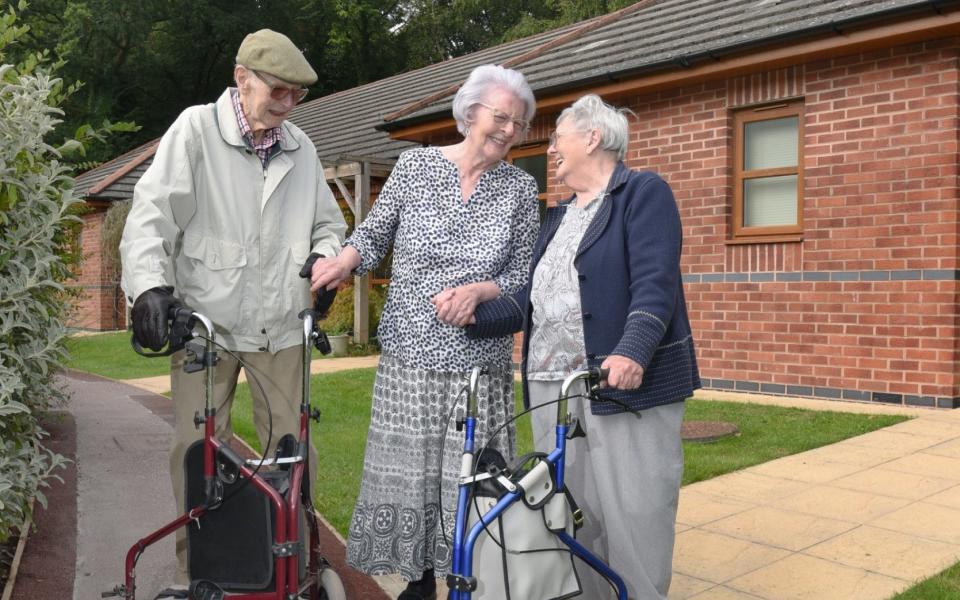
(146, 61)
(36, 222)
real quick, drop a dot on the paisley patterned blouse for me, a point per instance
(556, 333)
(440, 242)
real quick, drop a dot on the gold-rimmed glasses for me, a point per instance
(279, 91)
(502, 118)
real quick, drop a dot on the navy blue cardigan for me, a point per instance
(631, 292)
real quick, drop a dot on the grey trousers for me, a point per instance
(281, 378)
(625, 475)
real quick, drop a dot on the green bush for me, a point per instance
(37, 221)
(340, 317)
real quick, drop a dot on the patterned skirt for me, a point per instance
(405, 513)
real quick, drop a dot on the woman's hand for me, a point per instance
(625, 374)
(455, 306)
(331, 272)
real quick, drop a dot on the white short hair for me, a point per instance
(591, 112)
(483, 80)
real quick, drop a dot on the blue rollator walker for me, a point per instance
(537, 491)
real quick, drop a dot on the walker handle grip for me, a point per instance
(181, 331)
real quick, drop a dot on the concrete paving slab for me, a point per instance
(882, 439)
(889, 552)
(684, 586)
(722, 592)
(840, 504)
(696, 508)
(718, 558)
(950, 449)
(747, 486)
(801, 577)
(806, 468)
(942, 430)
(948, 498)
(930, 465)
(886, 482)
(925, 520)
(779, 528)
(857, 455)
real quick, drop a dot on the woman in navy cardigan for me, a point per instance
(606, 291)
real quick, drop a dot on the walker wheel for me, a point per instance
(331, 588)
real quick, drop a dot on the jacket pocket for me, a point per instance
(214, 254)
(212, 280)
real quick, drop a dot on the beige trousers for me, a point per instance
(276, 384)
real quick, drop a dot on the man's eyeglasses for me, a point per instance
(278, 91)
(502, 118)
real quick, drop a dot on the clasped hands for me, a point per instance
(455, 306)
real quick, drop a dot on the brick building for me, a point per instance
(812, 149)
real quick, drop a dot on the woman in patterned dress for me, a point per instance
(606, 292)
(463, 223)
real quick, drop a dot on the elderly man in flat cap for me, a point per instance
(233, 208)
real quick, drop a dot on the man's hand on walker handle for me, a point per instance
(149, 317)
(624, 373)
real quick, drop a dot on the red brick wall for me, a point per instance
(100, 305)
(865, 306)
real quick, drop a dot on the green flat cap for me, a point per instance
(274, 54)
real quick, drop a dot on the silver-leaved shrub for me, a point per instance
(37, 220)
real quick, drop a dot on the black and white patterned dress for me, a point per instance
(440, 242)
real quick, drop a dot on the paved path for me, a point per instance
(861, 519)
(122, 490)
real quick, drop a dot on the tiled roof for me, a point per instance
(650, 36)
(676, 34)
(114, 180)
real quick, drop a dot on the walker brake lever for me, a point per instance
(576, 431)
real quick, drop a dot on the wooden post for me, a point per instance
(361, 284)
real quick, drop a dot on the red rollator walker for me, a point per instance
(246, 519)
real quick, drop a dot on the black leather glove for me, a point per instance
(150, 317)
(324, 297)
(307, 268)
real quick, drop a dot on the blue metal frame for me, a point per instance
(462, 560)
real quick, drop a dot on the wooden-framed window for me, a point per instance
(768, 173)
(533, 160)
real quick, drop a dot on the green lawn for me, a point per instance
(945, 586)
(110, 355)
(766, 433)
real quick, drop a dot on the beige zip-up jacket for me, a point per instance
(227, 234)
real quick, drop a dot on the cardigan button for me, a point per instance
(591, 356)
(581, 277)
(587, 316)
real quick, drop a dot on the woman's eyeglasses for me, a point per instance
(278, 91)
(555, 135)
(502, 118)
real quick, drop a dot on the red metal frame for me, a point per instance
(286, 529)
